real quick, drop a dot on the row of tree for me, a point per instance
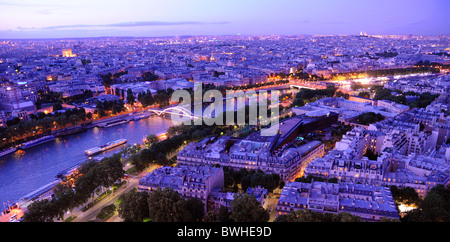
(157, 152)
(109, 107)
(369, 118)
(18, 130)
(307, 95)
(258, 85)
(88, 178)
(111, 79)
(389, 72)
(312, 216)
(250, 178)
(161, 98)
(343, 95)
(423, 100)
(57, 97)
(310, 178)
(166, 205)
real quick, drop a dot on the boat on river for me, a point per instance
(36, 142)
(108, 146)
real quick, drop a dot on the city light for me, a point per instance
(332, 127)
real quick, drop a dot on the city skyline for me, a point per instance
(51, 19)
(225, 111)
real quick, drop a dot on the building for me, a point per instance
(250, 154)
(201, 182)
(355, 141)
(219, 199)
(270, 154)
(343, 167)
(67, 53)
(419, 171)
(404, 159)
(369, 202)
(189, 181)
(392, 106)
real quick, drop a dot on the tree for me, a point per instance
(57, 106)
(196, 208)
(39, 211)
(312, 216)
(109, 170)
(298, 102)
(107, 80)
(364, 94)
(106, 212)
(161, 159)
(369, 118)
(133, 206)
(167, 206)
(246, 182)
(162, 99)
(148, 76)
(13, 121)
(217, 74)
(406, 195)
(211, 216)
(383, 94)
(130, 97)
(152, 139)
(434, 208)
(265, 180)
(97, 174)
(224, 215)
(146, 99)
(245, 208)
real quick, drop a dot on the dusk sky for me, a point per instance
(149, 18)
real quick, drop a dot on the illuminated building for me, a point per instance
(188, 181)
(270, 154)
(68, 53)
(371, 203)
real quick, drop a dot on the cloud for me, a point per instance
(46, 11)
(11, 4)
(121, 25)
(29, 4)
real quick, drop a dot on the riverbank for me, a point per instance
(26, 171)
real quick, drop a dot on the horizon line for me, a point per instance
(236, 35)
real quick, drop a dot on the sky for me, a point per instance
(151, 18)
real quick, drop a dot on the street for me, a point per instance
(91, 213)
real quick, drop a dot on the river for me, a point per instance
(25, 171)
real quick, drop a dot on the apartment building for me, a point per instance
(369, 202)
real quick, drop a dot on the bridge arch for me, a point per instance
(300, 87)
(170, 110)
